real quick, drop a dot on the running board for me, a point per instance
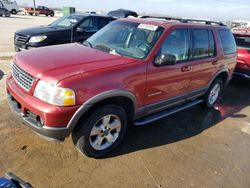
(167, 112)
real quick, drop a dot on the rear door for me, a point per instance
(168, 84)
(203, 58)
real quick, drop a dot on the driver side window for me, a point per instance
(89, 25)
(177, 44)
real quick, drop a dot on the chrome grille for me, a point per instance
(24, 79)
(21, 38)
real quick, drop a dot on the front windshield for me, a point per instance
(242, 41)
(126, 39)
(66, 21)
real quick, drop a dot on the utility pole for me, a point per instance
(34, 2)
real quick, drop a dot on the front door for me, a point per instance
(167, 84)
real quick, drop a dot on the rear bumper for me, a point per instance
(47, 120)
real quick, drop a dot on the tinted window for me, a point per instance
(90, 25)
(177, 44)
(242, 41)
(227, 41)
(200, 43)
(103, 22)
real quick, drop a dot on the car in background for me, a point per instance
(122, 13)
(11, 6)
(3, 11)
(39, 10)
(68, 29)
(242, 69)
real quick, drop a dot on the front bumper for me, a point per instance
(46, 120)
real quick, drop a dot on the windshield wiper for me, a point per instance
(87, 43)
(107, 49)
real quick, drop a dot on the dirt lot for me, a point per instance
(193, 148)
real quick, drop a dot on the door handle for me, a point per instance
(186, 69)
(215, 62)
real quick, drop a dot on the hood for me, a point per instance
(54, 63)
(33, 31)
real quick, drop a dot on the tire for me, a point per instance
(46, 15)
(52, 14)
(13, 11)
(31, 14)
(7, 14)
(90, 136)
(213, 94)
(1, 15)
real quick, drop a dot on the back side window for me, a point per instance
(242, 41)
(203, 43)
(227, 41)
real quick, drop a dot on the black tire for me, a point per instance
(46, 15)
(1, 15)
(13, 11)
(7, 14)
(206, 100)
(81, 134)
(52, 14)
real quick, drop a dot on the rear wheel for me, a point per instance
(13, 11)
(213, 94)
(1, 15)
(101, 132)
(52, 14)
(31, 14)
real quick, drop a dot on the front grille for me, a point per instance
(24, 79)
(21, 38)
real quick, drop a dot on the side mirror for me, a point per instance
(80, 30)
(165, 59)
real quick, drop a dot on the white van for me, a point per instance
(11, 6)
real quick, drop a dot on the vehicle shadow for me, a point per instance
(1, 74)
(20, 18)
(187, 123)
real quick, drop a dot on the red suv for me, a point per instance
(243, 63)
(131, 71)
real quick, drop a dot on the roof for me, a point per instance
(122, 13)
(175, 21)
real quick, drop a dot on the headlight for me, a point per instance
(53, 94)
(39, 38)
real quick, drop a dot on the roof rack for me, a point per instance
(208, 22)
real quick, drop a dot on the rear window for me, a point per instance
(227, 41)
(242, 41)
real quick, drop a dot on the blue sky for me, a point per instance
(210, 9)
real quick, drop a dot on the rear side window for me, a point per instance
(203, 43)
(242, 41)
(227, 41)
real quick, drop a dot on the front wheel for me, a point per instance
(52, 14)
(101, 132)
(213, 94)
(7, 14)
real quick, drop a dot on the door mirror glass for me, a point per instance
(165, 59)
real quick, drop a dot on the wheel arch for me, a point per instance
(119, 97)
(223, 74)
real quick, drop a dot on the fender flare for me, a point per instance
(98, 98)
(217, 74)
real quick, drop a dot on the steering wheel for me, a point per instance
(144, 46)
